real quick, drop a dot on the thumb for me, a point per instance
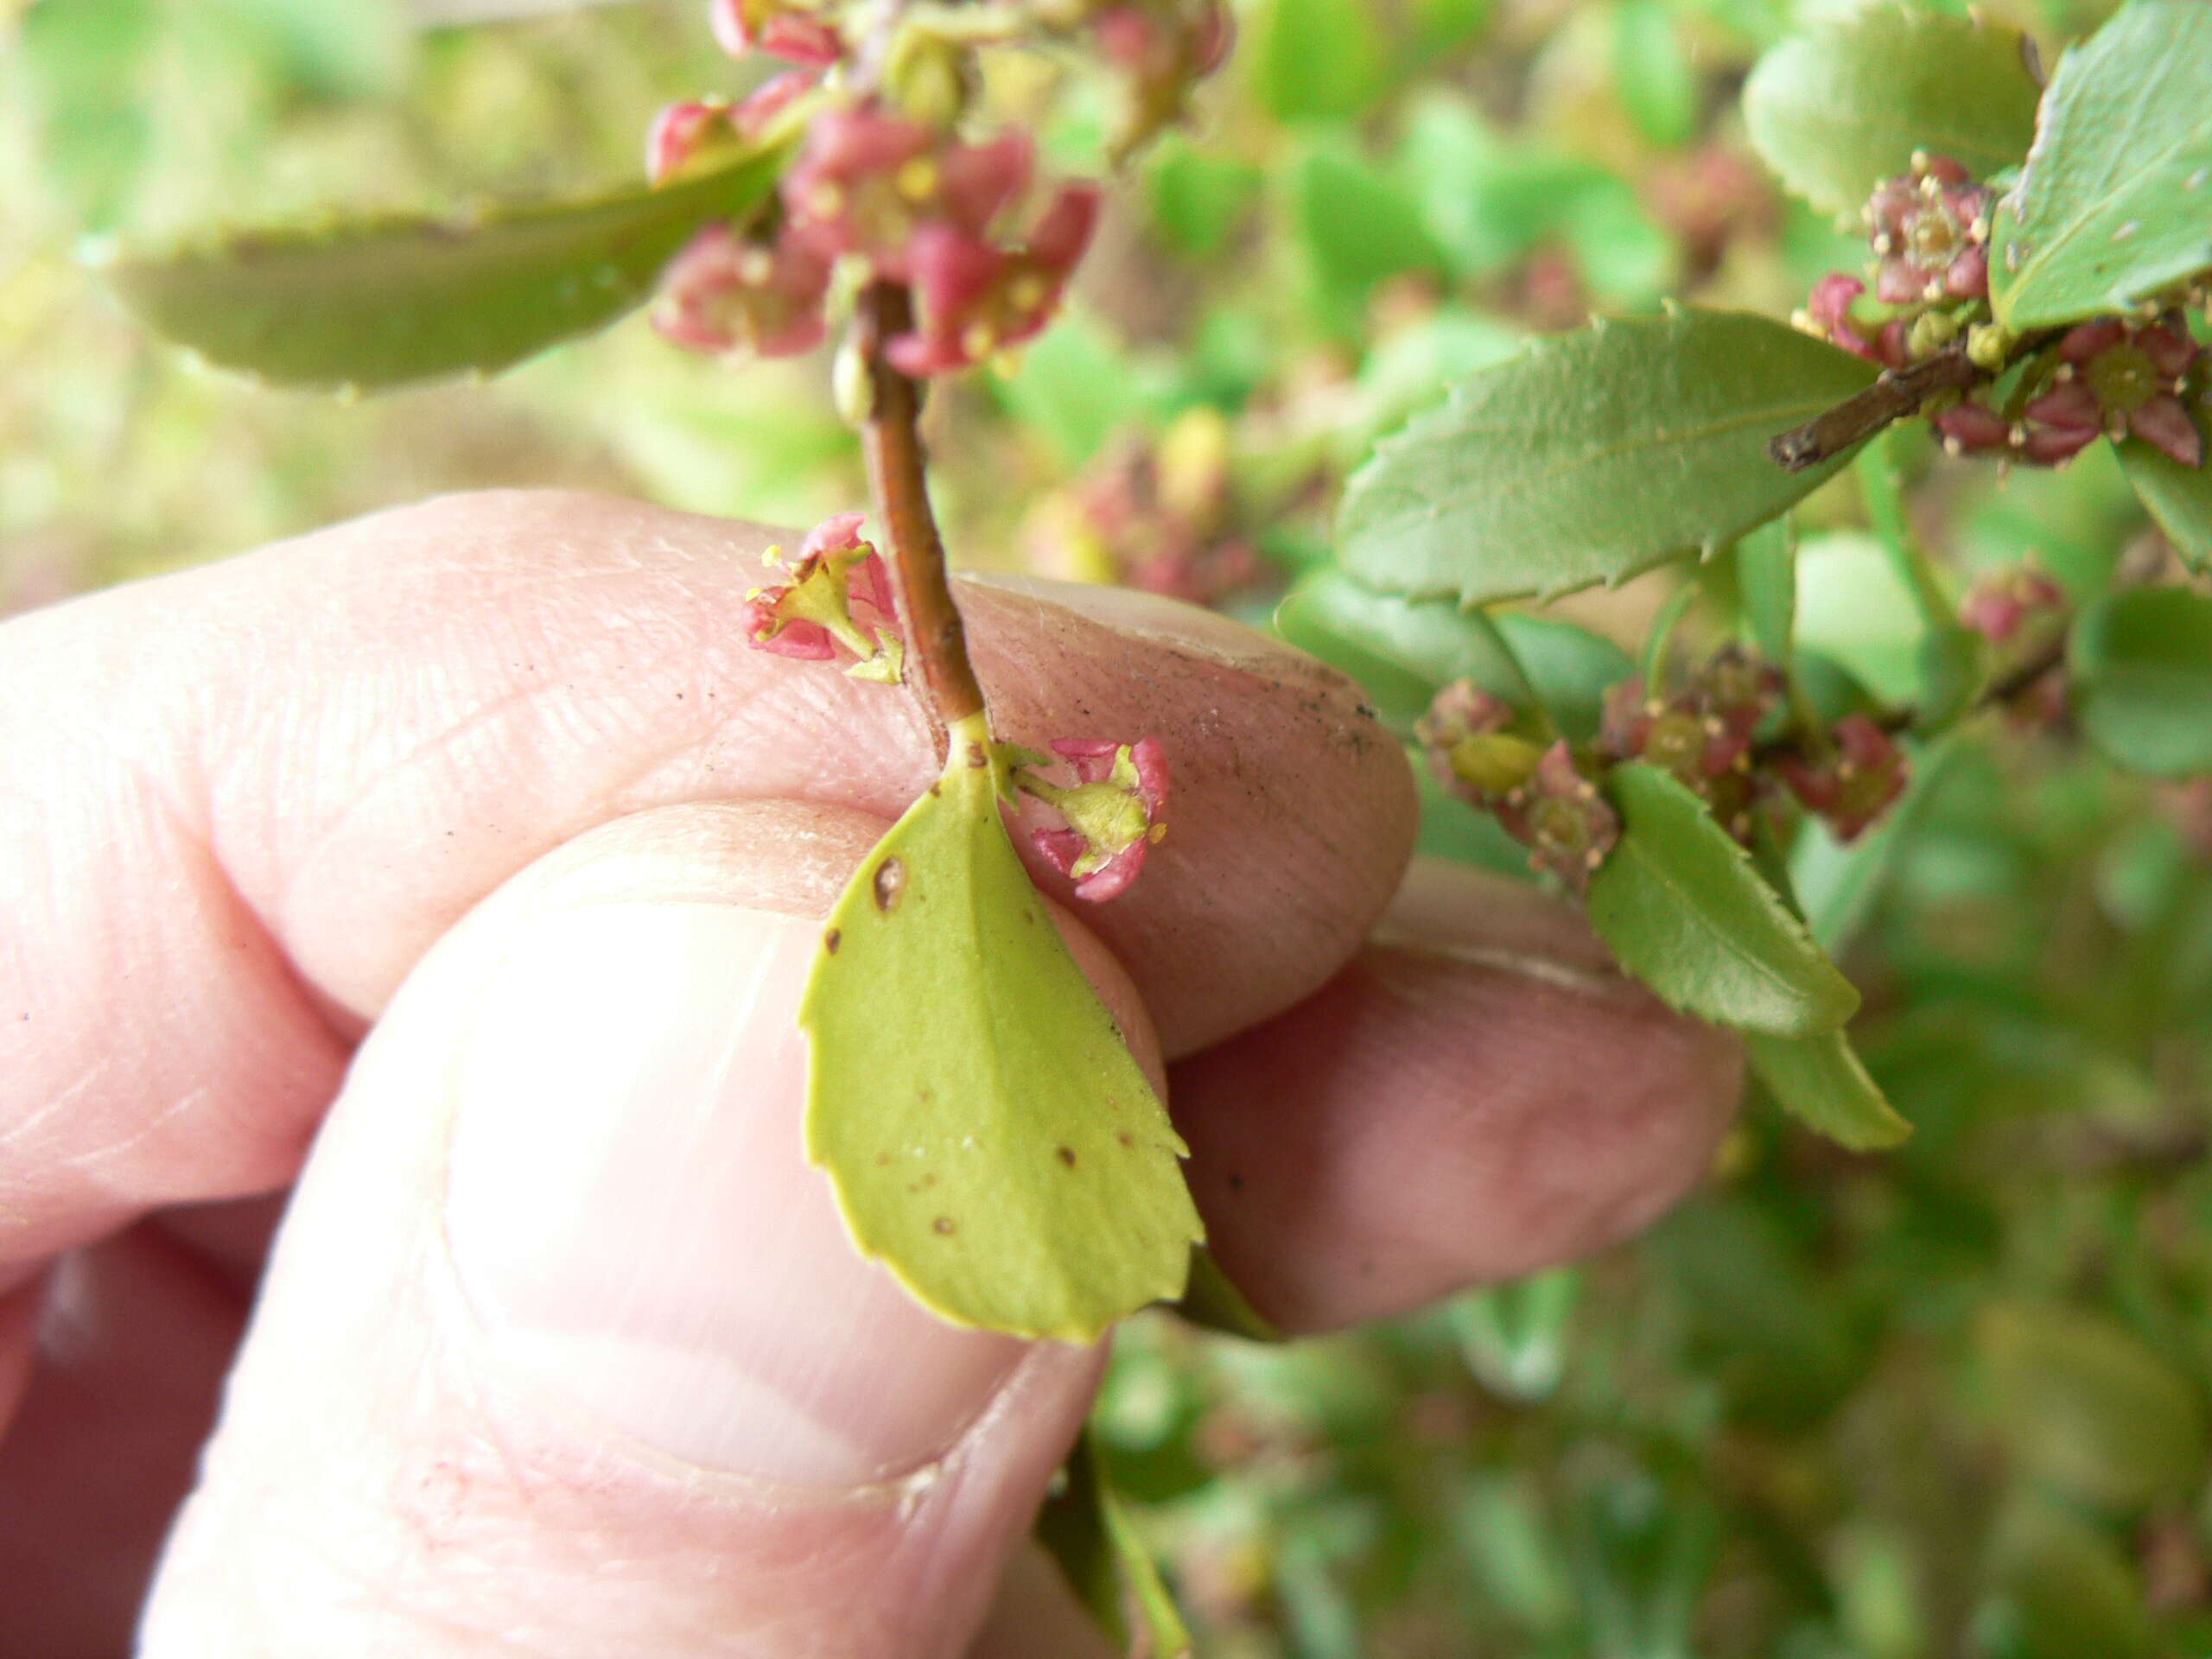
(563, 1349)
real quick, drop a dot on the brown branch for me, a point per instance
(937, 644)
(1898, 393)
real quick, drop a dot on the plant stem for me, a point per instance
(1898, 393)
(936, 643)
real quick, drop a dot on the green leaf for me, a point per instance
(1318, 59)
(1836, 110)
(1074, 385)
(1212, 1301)
(1658, 87)
(2089, 1408)
(1683, 910)
(1197, 197)
(1085, 1529)
(2115, 202)
(1592, 456)
(387, 302)
(2142, 663)
(988, 1135)
(1766, 579)
(1357, 226)
(1820, 1080)
(1400, 651)
(84, 69)
(2179, 498)
(1569, 667)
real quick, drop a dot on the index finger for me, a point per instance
(248, 798)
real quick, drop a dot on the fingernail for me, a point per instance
(1452, 911)
(632, 1218)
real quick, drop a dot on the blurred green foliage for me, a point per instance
(1950, 1399)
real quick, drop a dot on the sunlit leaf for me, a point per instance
(988, 1133)
(1316, 60)
(2115, 202)
(1820, 1080)
(1087, 1532)
(1592, 456)
(1838, 109)
(385, 301)
(2179, 497)
(2141, 665)
(1683, 908)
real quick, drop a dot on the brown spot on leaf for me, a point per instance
(941, 1225)
(1126, 1138)
(832, 939)
(1066, 1155)
(976, 755)
(890, 882)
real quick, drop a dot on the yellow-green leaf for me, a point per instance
(385, 301)
(989, 1135)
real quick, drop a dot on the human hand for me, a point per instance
(562, 1349)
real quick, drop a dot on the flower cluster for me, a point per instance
(1541, 796)
(1849, 777)
(1929, 233)
(2022, 612)
(837, 594)
(2114, 378)
(1110, 816)
(1156, 514)
(884, 186)
(1703, 733)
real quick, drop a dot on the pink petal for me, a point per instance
(1112, 879)
(1947, 170)
(920, 355)
(2048, 445)
(1062, 846)
(808, 641)
(869, 584)
(978, 180)
(1898, 281)
(767, 100)
(837, 534)
(733, 33)
(1064, 231)
(2171, 350)
(801, 38)
(952, 270)
(1976, 426)
(1968, 276)
(2085, 340)
(2071, 404)
(1092, 757)
(2164, 424)
(677, 132)
(1151, 762)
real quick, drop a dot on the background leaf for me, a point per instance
(988, 1133)
(84, 64)
(2142, 668)
(1318, 59)
(1837, 111)
(1820, 1080)
(1682, 908)
(1766, 581)
(1592, 456)
(2179, 497)
(393, 301)
(1084, 1527)
(2115, 202)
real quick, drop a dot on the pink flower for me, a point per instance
(2118, 377)
(1970, 428)
(1930, 232)
(2021, 604)
(684, 130)
(1703, 734)
(863, 182)
(783, 30)
(812, 613)
(1111, 816)
(1854, 782)
(723, 293)
(1559, 815)
(974, 299)
(770, 99)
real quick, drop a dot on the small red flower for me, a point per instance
(742, 27)
(724, 293)
(1856, 780)
(1111, 816)
(836, 594)
(1561, 817)
(1930, 232)
(770, 99)
(974, 299)
(2119, 378)
(2021, 604)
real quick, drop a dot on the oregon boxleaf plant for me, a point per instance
(2032, 285)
